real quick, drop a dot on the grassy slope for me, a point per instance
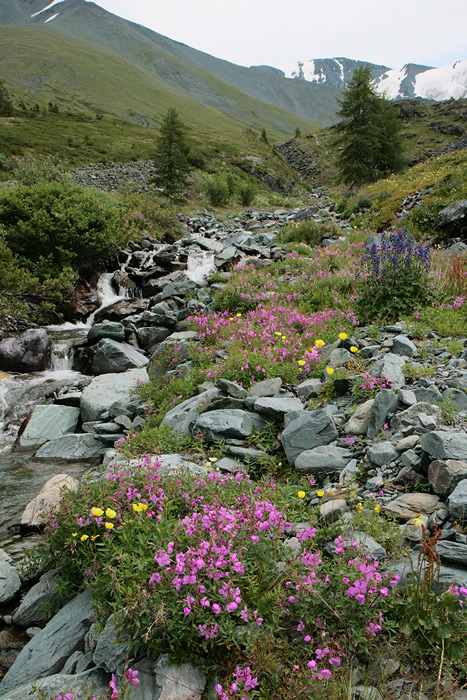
(39, 65)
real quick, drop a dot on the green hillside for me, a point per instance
(40, 66)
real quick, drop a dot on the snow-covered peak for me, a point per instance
(408, 82)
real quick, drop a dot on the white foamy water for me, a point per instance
(199, 265)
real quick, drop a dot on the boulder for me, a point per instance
(231, 423)
(26, 352)
(113, 645)
(46, 423)
(80, 685)
(277, 408)
(308, 430)
(47, 652)
(162, 680)
(332, 510)
(382, 453)
(401, 345)
(49, 496)
(231, 389)
(268, 387)
(110, 392)
(106, 329)
(452, 220)
(325, 458)
(390, 367)
(358, 423)
(444, 475)
(113, 356)
(453, 553)
(73, 447)
(457, 502)
(384, 404)
(120, 310)
(32, 610)
(182, 416)
(409, 505)
(410, 417)
(171, 352)
(441, 444)
(10, 582)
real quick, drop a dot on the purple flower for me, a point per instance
(132, 676)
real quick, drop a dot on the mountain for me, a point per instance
(411, 81)
(191, 72)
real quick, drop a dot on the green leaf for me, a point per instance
(444, 631)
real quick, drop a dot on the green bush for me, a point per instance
(424, 216)
(217, 190)
(33, 169)
(247, 193)
(309, 232)
(53, 225)
(144, 214)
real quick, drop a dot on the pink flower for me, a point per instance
(132, 676)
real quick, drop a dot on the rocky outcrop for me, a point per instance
(25, 353)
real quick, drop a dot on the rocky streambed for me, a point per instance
(413, 459)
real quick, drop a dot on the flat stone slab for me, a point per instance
(308, 430)
(32, 610)
(444, 475)
(80, 447)
(182, 416)
(325, 458)
(277, 407)
(159, 680)
(230, 423)
(10, 582)
(112, 356)
(409, 505)
(110, 391)
(457, 502)
(46, 423)
(47, 652)
(411, 415)
(358, 423)
(80, 685)
(441, 444)
(268, 387)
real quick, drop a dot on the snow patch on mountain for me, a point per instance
(443, 83)
(51, 18)
(47, 7)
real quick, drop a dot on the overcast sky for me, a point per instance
(279, 33)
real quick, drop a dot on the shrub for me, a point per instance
(144, 214)
(247, 193)
(394, 277)
(309, 232)
(53, 225)
(217, 190)
(33, 169)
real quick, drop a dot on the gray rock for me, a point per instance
(384, 404)
(230, 388)
(453, 219)
(107, 329)
(458, 397)
(26, 352)
(232, 423)
(410, 417)
(324, 458)
(410, 459)
(440, 444)
(161, 681)
(246, 453)
(10, 582)
(149, 336)
(48, 498)
(339, 357)
(46, 423)
(174, 350)
(409, 505)
(110, 392)
(33, 608)
(112, 356)
(47, 652)
(457, 502)
(401, 345)
(444, 475)
(268, 387)
(277, 408)
(406, 397)
(407, 443)
(367, 692)
(85, 684)
(453, 553)
(307, 431)
(182, 416)
(364, 540)
(85, 447)
(390, 367)
(429, 394)
(358, 423)
(332, 510)
(382, 453)
(308, 389)
(113, 645)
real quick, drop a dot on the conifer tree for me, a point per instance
(6, 105)
(171, 159)
(368, 132)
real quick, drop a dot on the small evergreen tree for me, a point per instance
(298, 133)
(264, 136)
(171, 159)
(368, 132)
(6, 105)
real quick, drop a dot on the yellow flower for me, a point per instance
(352, 494)
(301, 494)
(277, 333)
(239, 315)
(94, 537)
(331, 493)
(320, 494)
(329, 370)
(97, 512)
(319, 343)
(342, 336)
(301, 363)
(280, 464)
(83, 538)
(359, 507)
(110, 513)
(354, 349)
(231, 318)
(213, 459)
(109, 526)
(73, 534)
(418, 520)
(377, 508)
(207, 464)
(284, 337)
(217, 469)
